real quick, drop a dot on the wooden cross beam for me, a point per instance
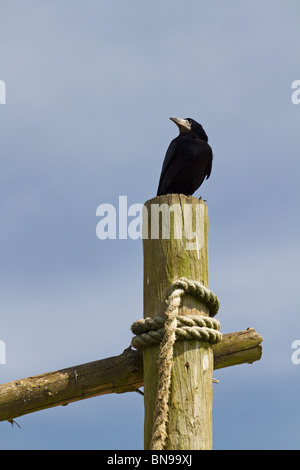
(117, 374)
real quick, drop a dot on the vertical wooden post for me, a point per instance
(166, 260)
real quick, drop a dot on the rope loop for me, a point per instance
(151, 330)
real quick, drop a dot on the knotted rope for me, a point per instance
(165, 330)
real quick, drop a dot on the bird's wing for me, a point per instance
(171, 151)
(209, 166)
(168, 157)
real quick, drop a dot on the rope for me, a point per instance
(165, 331)
(151, 330)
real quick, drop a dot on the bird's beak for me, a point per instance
(183, 124)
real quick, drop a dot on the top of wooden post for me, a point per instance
(175, 243)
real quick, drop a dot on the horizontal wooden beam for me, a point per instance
(118, 374)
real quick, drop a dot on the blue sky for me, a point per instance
(90, 87)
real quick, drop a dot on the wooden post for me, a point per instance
(167, 259)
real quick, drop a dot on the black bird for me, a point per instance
(188, 160)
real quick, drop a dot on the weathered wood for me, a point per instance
(118, 374)
(166, 260)
(237, 348)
